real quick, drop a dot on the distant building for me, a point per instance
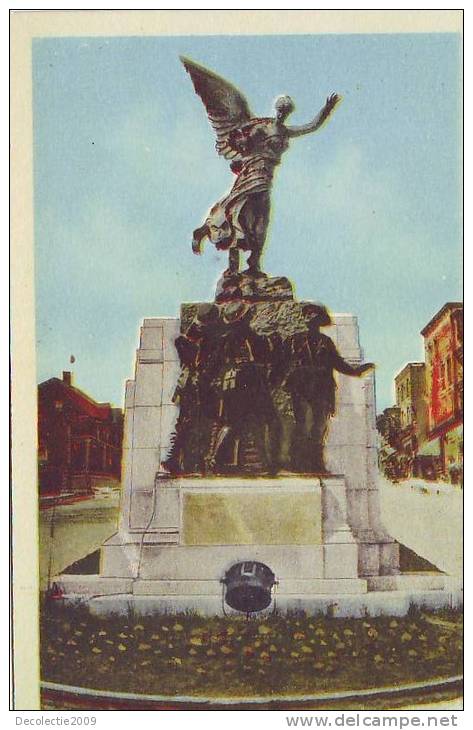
(79, 440)
(443, 341)
(411, 401)
(423, 434)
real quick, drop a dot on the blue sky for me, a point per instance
(366, 212)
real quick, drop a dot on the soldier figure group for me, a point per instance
(228, 421)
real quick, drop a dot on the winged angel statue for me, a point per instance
(254, 145)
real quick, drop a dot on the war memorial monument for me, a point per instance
(250, 461)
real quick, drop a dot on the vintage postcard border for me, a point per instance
(25, 25)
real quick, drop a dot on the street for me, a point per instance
(431, 524)
(70, 532)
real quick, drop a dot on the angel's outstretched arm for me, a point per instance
(317, 122)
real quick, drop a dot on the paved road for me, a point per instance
(430, 524)
(69, 532)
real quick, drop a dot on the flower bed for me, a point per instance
(277, 655)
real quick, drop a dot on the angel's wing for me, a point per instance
(226, 107)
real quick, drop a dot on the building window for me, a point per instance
(449, 369)
(442, 375)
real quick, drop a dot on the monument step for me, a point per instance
(356, 605)
(93, 585)
(407, 582)
(214, 587)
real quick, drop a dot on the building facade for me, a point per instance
(443, 342)
(423, 434)
(79, 440)
(412, 403)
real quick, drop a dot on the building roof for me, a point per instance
(407, 367)
(449, 306)
(83, 402)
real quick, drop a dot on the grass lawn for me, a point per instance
(228, 656)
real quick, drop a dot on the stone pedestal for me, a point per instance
(321, 536)
(351, 448)
(194, 530)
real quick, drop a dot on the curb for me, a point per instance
(166, 702)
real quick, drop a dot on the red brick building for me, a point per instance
(79, 440)
(443, 340)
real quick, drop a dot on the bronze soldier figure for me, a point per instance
(197, 407)
(312, 359)
(243, 435)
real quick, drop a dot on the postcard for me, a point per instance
(237, 360)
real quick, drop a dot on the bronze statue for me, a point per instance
(255, 145)
(198, 354)
(312, 359)
(243, 434)
(253, 403)
(227, 420)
